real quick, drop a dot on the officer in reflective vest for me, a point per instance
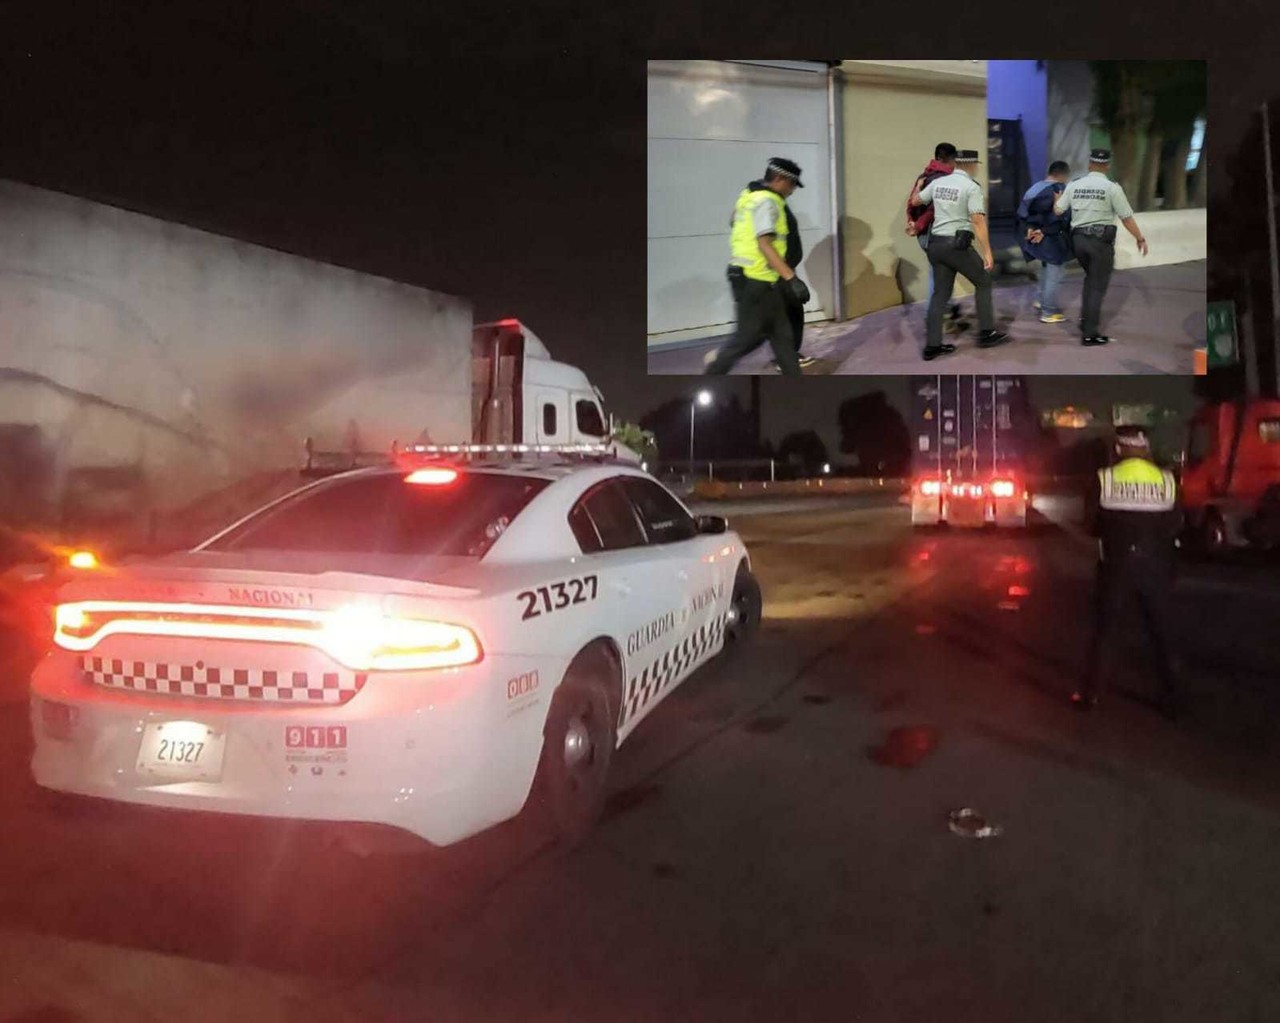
(1095, 201)
(1136, 520)
(759, 248)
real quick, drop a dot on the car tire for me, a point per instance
(1212, 538)
(745, 608)
(578, 742)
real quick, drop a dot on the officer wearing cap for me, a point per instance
(1136, 519)
(759, 248)
(1095, 201)
(960, 215)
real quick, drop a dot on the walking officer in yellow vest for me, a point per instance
(768, 284)
(1136, 520)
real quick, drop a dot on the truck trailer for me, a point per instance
(967, 456)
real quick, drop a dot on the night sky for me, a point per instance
(489, 151)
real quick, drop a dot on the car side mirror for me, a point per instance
(712, 524)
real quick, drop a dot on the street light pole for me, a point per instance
(693, 405)
(1271, 229)
(701, 398)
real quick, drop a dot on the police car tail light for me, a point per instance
(360, 638)
(931, 488)
(364, 639)
(1003, 488)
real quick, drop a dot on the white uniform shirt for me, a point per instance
(1093, 200)
(955, 199)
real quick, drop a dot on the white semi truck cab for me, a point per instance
(520, 395)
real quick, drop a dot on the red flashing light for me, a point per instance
(432, 477)
(931, 488)
(85, 560)
(1003, 488)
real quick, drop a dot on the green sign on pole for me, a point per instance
(1222, 347)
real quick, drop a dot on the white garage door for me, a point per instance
(712, 127)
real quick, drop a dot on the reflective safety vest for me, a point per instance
(746, 250)
(1136, 485)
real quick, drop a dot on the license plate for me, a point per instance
(181, 751)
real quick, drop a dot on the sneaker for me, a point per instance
(1095, 341)
(993, 338)
(956, 326)
(806, 361)
(932, 353)
(1052, 318)
(1036, 305)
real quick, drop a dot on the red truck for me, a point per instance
(1231, 475)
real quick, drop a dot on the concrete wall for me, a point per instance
(894, 113)
(1175, 236)
(197, 360)
(1019, 90)
(1070, 90)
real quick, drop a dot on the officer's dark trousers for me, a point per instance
(947, 261)
(795, 313)
(762, 315)
(1097, 258)
(795, 316)
(1141, 583)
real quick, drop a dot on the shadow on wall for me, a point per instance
(818, 262)
(866, 289)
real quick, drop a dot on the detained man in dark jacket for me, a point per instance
(1046, 236)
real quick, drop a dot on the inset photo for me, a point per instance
(877, 216)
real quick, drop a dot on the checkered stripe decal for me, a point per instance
(672, 665)
(223, 683)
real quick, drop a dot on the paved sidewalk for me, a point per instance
(1156, 317)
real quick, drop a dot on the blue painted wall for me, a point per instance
(1019, 89)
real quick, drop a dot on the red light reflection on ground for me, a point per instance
(905, 747)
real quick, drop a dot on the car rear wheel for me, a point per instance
(1213, 534)
(578, 741)
(744, 608)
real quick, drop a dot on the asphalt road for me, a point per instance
(772, 849)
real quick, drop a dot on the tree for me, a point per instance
(1180, 89)
(804, 452)
(1123, 104)
(875, 432)
(1149, 109)
(723, 430)
(639, 440)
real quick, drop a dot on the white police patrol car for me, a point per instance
(422, 645)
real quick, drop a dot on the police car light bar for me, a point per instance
(417, 454)
(506, 449)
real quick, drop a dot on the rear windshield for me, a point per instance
(383, 514)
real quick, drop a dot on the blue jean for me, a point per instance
(923, 239)
(1051, 275)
